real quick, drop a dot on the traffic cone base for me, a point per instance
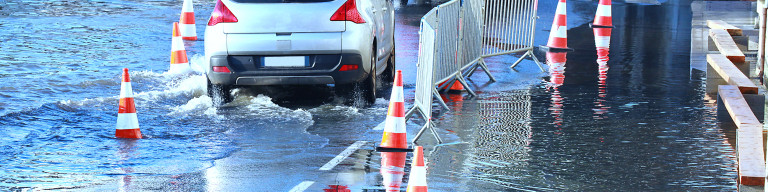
(128, 133)
(555, 49)
(591, 25)
(394, 140)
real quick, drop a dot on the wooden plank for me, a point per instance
(726, 45)
(751, 155)
(728, 71)
(720, 24)
(749, 141)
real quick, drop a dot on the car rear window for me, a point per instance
(280, 1)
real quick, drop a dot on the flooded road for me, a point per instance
(643, 125)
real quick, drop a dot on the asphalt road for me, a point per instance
(644, 127)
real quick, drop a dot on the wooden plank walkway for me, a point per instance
(749, 141)
(720, 24)
(726, 45)
(728, 71)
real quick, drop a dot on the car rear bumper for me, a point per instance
(322, 69)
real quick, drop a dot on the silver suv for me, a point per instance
(300, 42)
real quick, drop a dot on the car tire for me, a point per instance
(365, 90)
(220, 94)
(388, 76)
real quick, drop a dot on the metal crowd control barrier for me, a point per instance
(458, 35)
(510, 27)
(425, 84)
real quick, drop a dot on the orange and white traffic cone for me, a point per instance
(127, 122)
(187, 20)
(602, 29)
(558, 35)
(417, 181)
(179, 61)
(603, 17)
(394, 143)
(456, 86)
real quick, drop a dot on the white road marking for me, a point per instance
(344, 154)
(302, 186)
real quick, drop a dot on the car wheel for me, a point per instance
(365, 90)
(220, 94)
(369, 85)
(388, 77)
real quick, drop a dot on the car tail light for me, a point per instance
(221, 14)
(221, 69)
(348, 67)
(348, 12)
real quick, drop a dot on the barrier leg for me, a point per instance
(429, 125)
(421, 132)
(466, 86)
(439, 99)
(445, 84)
(518, 60)
(529, 53)
(533, 56)
(472, 69)
(432, 129)
(485, 68)
(410, 112)
(536, 60)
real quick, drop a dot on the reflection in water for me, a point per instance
(500, 139)
(556, 62)
(126, 152)
(602, 44)
(600, 108)
(556, 109)
(337, 188)
(392, 170)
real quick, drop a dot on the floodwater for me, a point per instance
(642, 126)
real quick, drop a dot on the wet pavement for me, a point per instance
(643, 126)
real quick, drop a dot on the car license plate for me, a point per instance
(286, 61)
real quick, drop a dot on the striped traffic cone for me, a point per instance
(417, 181)
(456, 86)
(127, 122)
(394, 143)
(187, 20)
(558, 35)
(603, 17)
(602, 29)
(179, 61)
